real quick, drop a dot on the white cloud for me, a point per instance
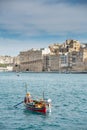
(30, 18)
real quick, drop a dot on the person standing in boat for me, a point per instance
(27, 98)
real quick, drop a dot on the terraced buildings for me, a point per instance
(69, 56)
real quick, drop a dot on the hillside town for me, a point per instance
(70, 56)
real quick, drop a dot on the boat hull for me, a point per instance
(36, 109)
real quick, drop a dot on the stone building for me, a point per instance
(46, 54)
(75, 61)
(6, 60)
(31, 60)
(69, 56)
(72, 57)
(6, 63)
(55, 49)
(53, 62)
(54, 57)
(46, 66)
(16, 63)
(85, 58)
(63, 62)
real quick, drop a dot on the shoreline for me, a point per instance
(58, 72)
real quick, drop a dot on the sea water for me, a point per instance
(68, 93)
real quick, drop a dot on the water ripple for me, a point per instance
(69, 101)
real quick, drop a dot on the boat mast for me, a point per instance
(26, 87)
(43, 95)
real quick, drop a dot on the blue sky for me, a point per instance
(26, 24)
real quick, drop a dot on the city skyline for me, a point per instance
(39, 23)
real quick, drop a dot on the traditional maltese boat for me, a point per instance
(41, 106)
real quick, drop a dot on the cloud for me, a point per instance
(27, 18)
(82, 2)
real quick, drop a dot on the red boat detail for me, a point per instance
(41, 106)
(32, 108)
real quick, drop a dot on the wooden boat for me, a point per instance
(41, 106)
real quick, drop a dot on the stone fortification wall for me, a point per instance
(54, 62)
(31, 61)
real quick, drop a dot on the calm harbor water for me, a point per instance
(68, 93)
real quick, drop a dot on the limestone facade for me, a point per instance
(54, 63)
(85, 58)
(72, 56)
(6, 60)
(46, 66)
(69, 56)
(31, 60)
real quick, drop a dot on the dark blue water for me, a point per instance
(68, 93)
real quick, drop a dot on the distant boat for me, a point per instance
(18, 75)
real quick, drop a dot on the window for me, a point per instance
(73, 59)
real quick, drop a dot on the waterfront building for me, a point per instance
(6, 60)
(69, 56)
(76, 61)
(46, 63)
(72, 45)
(6, 63)
(85, 57)
(54, 63)
(45, 56)
(31, 60)
(54, 57)
(63, 62)
(16, 63)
